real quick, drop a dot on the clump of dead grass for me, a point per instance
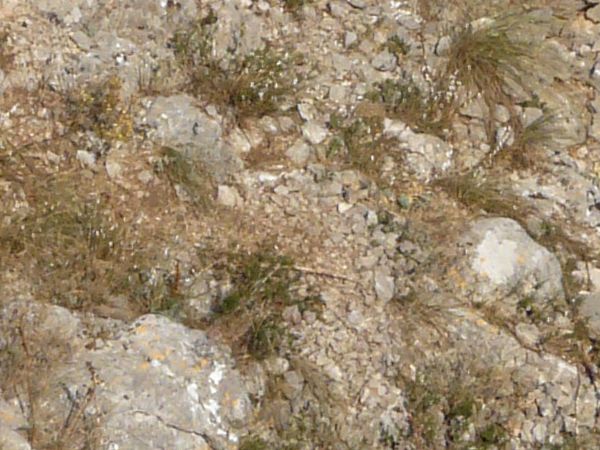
(494, 57)
(479, 194)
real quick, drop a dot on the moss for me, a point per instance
(253, 443)
(397, 46)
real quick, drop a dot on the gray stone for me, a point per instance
(359, 4)
(299, 153)
(593, 13)
(178, 121)
(159, 383)
(385, 61)
(338, 93)
(590, 310)
(384, 285)
(528, 334)
(293, 384)
(228, 196)
(350, 38)
(307, 111)
(505, 259)
(443, 45)
(11, 421)
(86, 158)
(426, 155)
(180, 124)
(314, 133)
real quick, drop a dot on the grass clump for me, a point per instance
(71, 240)
(187, 177)
(98, 108)
(397, 46)
(527, 139)
(487, 57)
(429, 110)
(447, 407)
(251, 311)
(252, 85)
(79, 251)
(480, 194)
(294, 6)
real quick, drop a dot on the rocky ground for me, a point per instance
(299, 224)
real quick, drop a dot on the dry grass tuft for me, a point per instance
(253, 85)
(98, 108)
(425, 111)
(188, 177)
(480, 194)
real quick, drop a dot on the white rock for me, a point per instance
(384, 285)
(299, 153)
(228, 196)
(314, 132)
(86, 158)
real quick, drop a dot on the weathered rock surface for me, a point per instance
(153, 384)
(401, 293)
(505, 261)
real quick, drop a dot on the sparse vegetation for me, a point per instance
(480, 194)
(294, 6)
(251, 311)
(186, 176)
(429, 110)
(361, 142)
(29, 352)
(98, 108)
(523, 152)
(397, 46)
(446, 405)
(252, 85)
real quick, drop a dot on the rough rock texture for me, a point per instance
(507, 261)
(154, 384)
(300, 224)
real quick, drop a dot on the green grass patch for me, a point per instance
(262, 286)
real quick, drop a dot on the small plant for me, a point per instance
(426, 111)
(97, 108)
(252, 85)
(477, 194)
(294, 6)
(528, 139)
(444, 405)
(397, 46)
(489, 56)
(262, 283)
(253, 443)
(186, 176)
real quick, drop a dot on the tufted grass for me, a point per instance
(252, 85)
(98, 107)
